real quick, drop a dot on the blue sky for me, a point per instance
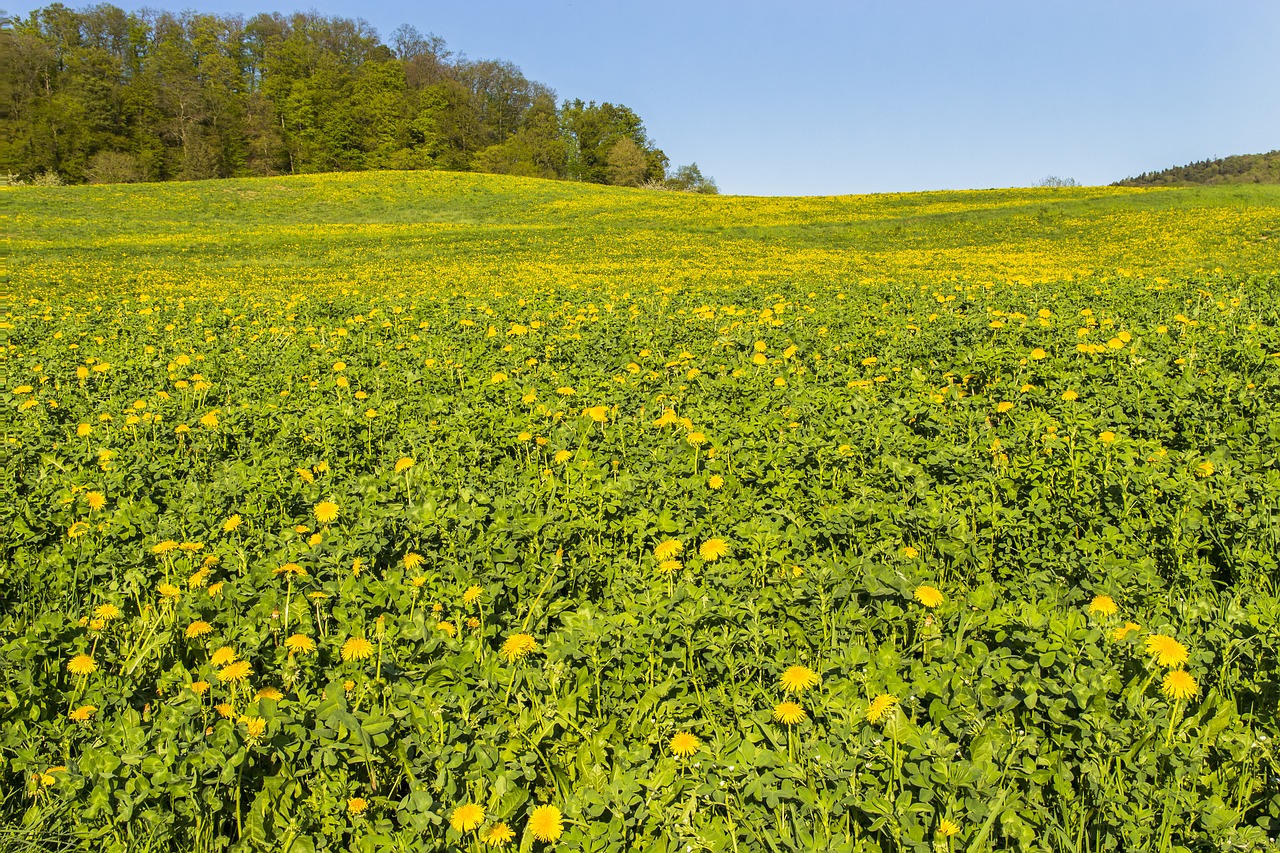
(819, 98)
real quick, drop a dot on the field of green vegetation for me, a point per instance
(424, 511)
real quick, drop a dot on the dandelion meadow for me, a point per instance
(422, 511)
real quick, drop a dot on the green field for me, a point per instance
(418, 511)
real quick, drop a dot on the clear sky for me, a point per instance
(820, 98)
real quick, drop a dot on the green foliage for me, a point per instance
(1239, 169)
(531, 385)
(105, 96)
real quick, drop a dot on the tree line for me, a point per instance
(1238, 169)
(103, 95)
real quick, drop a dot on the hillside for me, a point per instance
(1240, 169)
(431, 511)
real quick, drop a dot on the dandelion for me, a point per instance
(412, 560)
(668, 549)
(1103, 605)
(1205, 469)
(1166, 650)
(499, 835)
(356, 648)
(561, 457)
(1107, 437)
(713, 549)
(1004, 406)
(356, 806)
(1070, 396)
(199, 687)
(1119, 634)
(78, 529)
(684, 744)
(467, 817)
(929, 596)
(910, 553)
(447, 628)
(215, 589)
(95, 500)
(472, 594)
(82, 665)
(880, 707)
(168, 590)
(232, 523)
(666, 567)
(948, 828)
(210, 420)
(715, 482)
(198, 629)
(107, 612)
(223, 656)
(1037, 354)
(233, 672)
(300, 644)
(1179, 684)
(404, 463)
(225, 710)
(270, 693)
(254, 726)
(696, 439)
(326, 512)
(797, 679)
(82, 714)
(546, 823)
(305, 475)
(517, 646)
(788, 713)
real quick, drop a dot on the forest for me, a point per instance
(102, 95)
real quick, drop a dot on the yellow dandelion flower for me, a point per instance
(305, 475)
(1103, 605)
(215, 589)
(446, 628)
(95, 500)
(1107, 436)
(168, 590)
(517, 646)
(684, 744)
(198, 629)
(1004, 406)
(1205, 469)
(713, 549)
(82, 714)
(412, 560)
(1037, 354)
(107, 612)
(238, 671)
(1166, 650)
(929, 596)
(668, 549)
(210, 420)
(356, 648)
(225, 710)
(326, 512)
(404, 463)
(223, 656)
(546, 823)
(666, 567)
(716, 481)
(472, 594)
(232, 523)
(880, 707)
(82, 665)
(1119, 634)
(948, 828)
(356, 806)
(300, 644)
(788, 713)
(254, 727)
(1179, 684)
(561, 457)
(1070, 396)
(199, 687)
(78, 529)
(270, 693)
(467, 817)
(797, 679)
(499, 835)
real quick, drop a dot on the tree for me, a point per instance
(690, 179)
(626, 165)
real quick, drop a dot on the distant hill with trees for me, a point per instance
(1240, 169)
(103, 95)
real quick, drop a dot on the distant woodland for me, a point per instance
(1240, 169)
(103, 95)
